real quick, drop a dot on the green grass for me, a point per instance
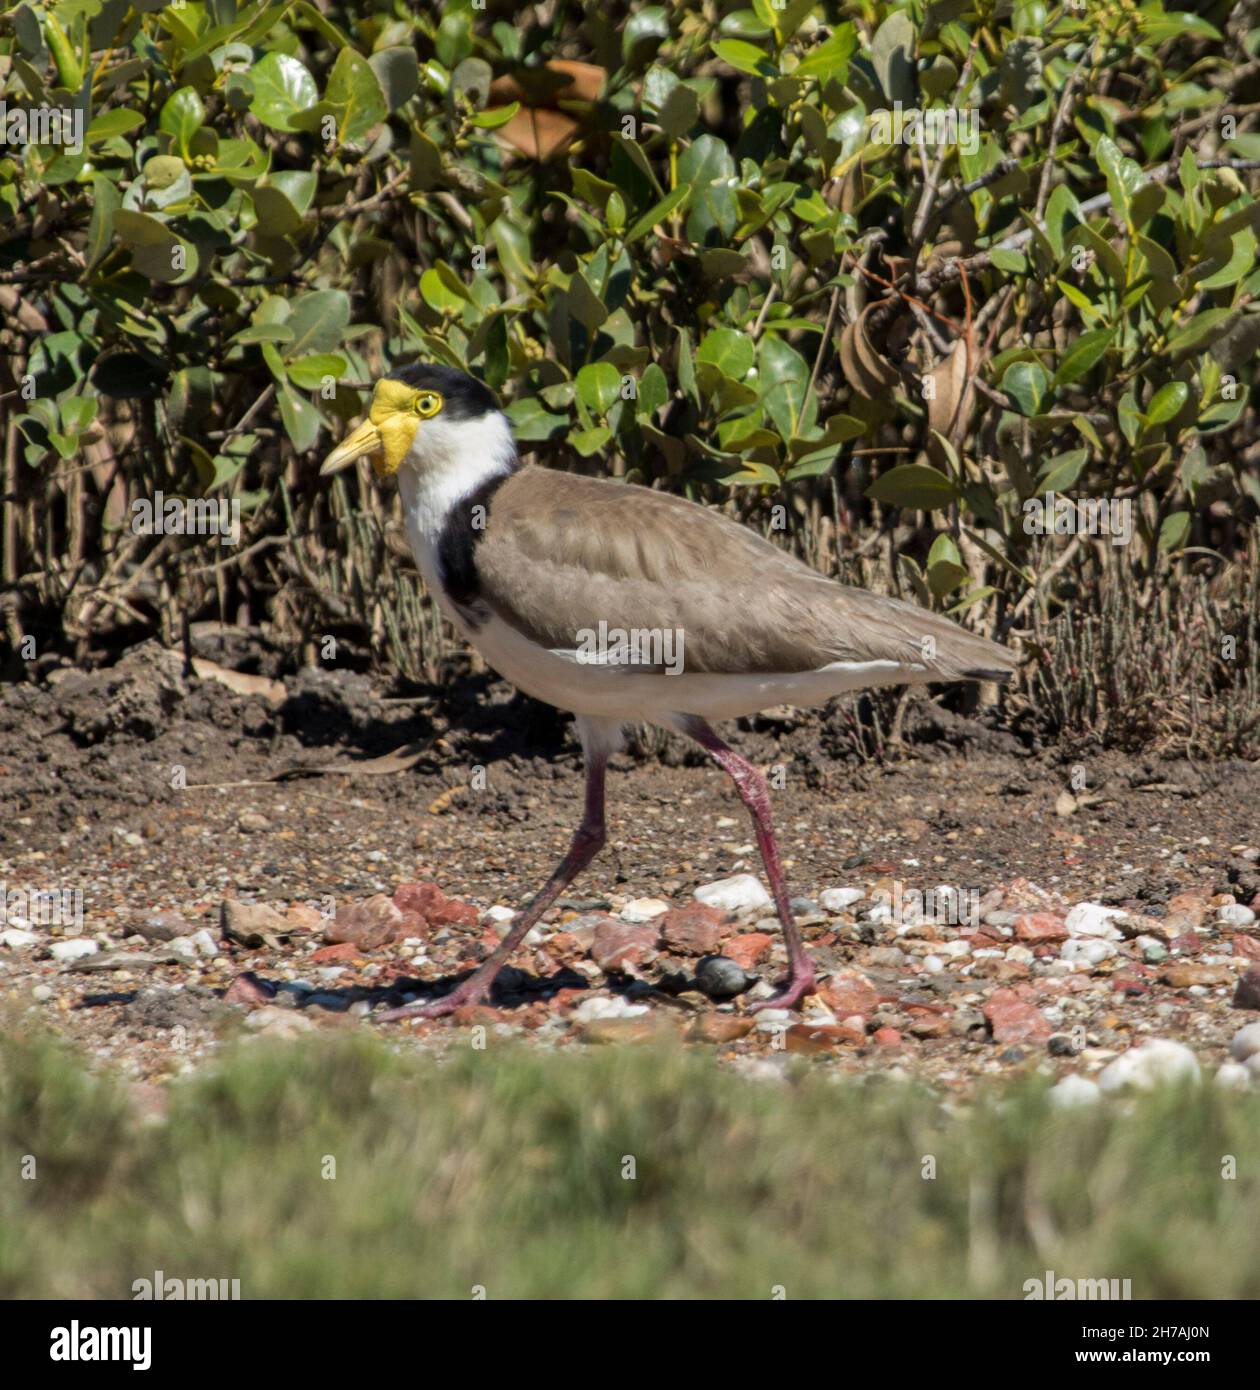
(504, 1169)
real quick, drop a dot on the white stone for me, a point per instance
(1233, 1076)
(204, 942)
(1236, 915)
(1246, 1043)
(41, 994)
(839, 899)
(1073, 1091)
(643, 910)
(1087, 948)
(1092, 919)
(1021, 955)
(1155, 1062)
(17, 938)
(741, 893)
(607, 1006)
(73, 948)
(933, 964)
(498, 914)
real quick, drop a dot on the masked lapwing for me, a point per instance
(623, 604)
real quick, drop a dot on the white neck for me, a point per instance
(449, 460)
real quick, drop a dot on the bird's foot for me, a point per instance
(471, 991)
(790, 993)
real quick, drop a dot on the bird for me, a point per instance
(626, 604)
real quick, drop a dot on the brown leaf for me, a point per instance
(869, 373)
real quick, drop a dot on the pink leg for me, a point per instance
(587, 843)
(751, 786)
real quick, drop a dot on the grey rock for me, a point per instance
(721, 978)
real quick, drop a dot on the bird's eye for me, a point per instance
(427, 403)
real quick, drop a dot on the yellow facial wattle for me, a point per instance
(389, 430)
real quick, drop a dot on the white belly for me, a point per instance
(627, 693)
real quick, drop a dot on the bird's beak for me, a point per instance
(365, 440)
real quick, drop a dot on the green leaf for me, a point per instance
(495, 117)
(319, 321)
(282, 88)
(1167, 402)
(182, 116)
(354, 89)
(1060, 473)
(398, 74)
(783, 377)
(531, 423)
(301, 419)
(106, 200)
(1025, 384)
(1082, 355)
(830, 60)
(599, 386)
(729, 351)
(1173, 531)
(1158, 27)
(110, 124)
(745, 57)
(588, 442)
(276, 214)
(913, 485)
(309, 372)
(653, 391)
(656, 214)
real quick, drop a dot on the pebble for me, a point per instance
(623, 946)
(1246, 1043)
(1184, 975)
(272, 1021)
(1153, 950)
(73, 948)
(499, 915)
(205, 943)
(1092, 919)
(1074, 1091)
(1159, 1061)
(18, 939)
(1090, 949)
(606, 1006)
(694, 930)
(1013, 1019)
(163, 926)
(840, 899)
(741, 893)
(643, 909)
(1233, 1076)
(251, 924)
(41, 994)
(251, 822)
(721, 978)
(719, 1028)
(1235, 915)
(1247, 992)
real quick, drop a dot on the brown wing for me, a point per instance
(561, 552)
